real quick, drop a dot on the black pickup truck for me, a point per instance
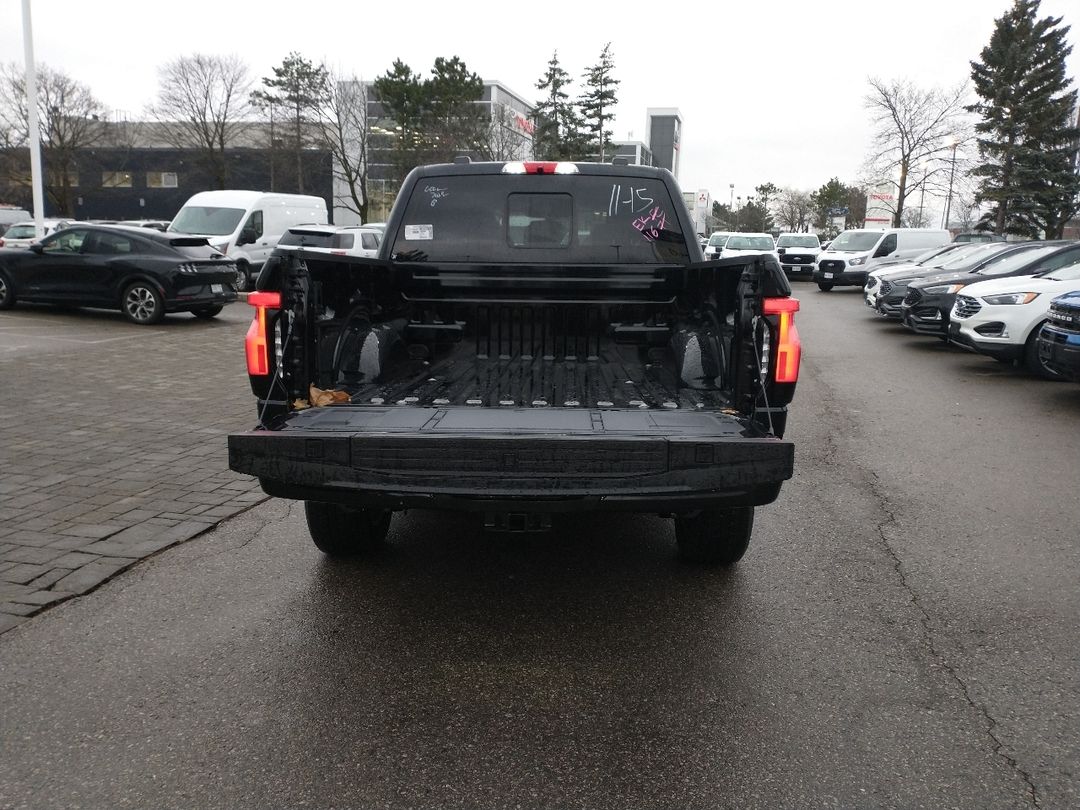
(533, 338)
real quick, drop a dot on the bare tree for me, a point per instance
(913, 137)
(503, 140)
(201, 104)
(70, 119)
(341, 125)
(794, 210)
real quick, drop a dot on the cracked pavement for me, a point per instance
(902, 633)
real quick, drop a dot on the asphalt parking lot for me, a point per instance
(113, 447)
(902, 632)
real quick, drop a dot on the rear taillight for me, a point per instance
(257, 341)
(1, 242)
(788, 345)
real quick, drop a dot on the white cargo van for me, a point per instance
(855, 253)
(246, 225)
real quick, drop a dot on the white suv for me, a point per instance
(21, 234)
(1002, 317)
(347, 240)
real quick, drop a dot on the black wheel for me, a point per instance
(339, 531)
(142, 303)
(715, 536)
(207, 312)
(824, 287)
(7, 295)
(1032, 361)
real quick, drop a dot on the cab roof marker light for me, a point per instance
(514, 167)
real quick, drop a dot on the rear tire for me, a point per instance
(715, 536)
(1032, 361)
(824, 287)
(339, 531)
(247, 282)
(206, 313)
(141, 303)
(7, 295)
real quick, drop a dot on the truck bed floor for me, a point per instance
(604, 381)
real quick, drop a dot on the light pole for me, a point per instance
(731, 199)
(952, 175)
(922, 190)
(32, 123)
(738, 201)
(749, 202)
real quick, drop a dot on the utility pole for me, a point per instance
(952, 175)
(32, 121)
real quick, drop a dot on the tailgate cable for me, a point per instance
(760, 376)
(277, 376)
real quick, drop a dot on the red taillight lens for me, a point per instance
(270, 300)
(257, 341)
(789, 347)
(540, 166)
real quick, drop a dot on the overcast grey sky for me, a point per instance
(731, 70)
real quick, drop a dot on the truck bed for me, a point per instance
(605, 380)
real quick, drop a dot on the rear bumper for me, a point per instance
(710, 460)
(198, 298)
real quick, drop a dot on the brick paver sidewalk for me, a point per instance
(112, 447)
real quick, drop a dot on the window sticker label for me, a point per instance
(414, 233)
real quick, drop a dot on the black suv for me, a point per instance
(140, 271)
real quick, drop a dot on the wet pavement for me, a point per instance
(902, 633)
(112, 438)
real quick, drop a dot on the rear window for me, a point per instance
(541, 218)
(20, 232)
(194, 248)
(318, 239)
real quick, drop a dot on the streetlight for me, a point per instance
(731, 199)
(954, 142)
(925, 166)
(738, 200)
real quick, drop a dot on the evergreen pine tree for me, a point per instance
(1027, 136)
(597, 105)
(300, 86)
(549, 114)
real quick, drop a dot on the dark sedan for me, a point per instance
(139, 271)
(929, 302)
(968, 258)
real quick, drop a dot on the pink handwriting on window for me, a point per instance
(651, 223)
